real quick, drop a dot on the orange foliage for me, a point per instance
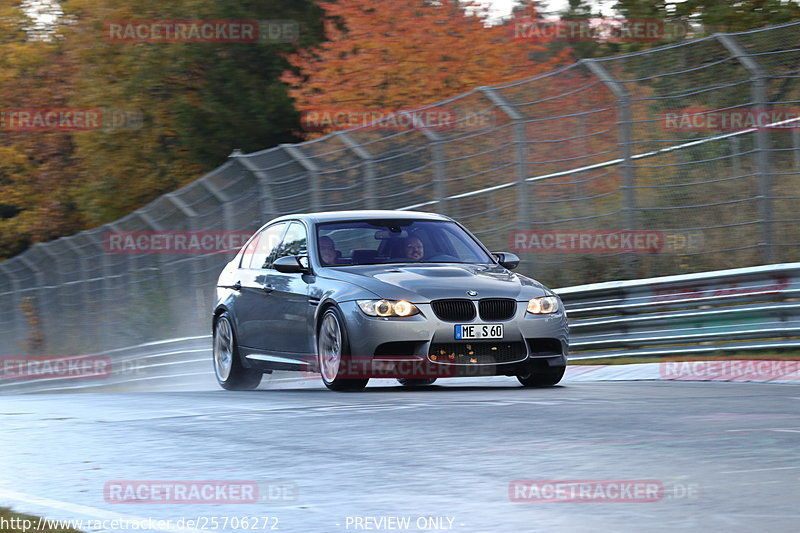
(390, 55)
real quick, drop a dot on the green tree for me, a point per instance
(199, 100)
(195, 101)
(710, 16)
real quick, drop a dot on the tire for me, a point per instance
(333, 349)
(230, 373)
(542, 376)
(410, 382)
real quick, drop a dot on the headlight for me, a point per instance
(543, 305)
(388, 307)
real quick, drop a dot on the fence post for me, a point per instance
(197, 281)
(14, 294)
(521, 148)
(368, 172)
(108, 267)
(141, 266)
(439, 171)
(624, 119)
(268, 209)
(183, 207)
(758, 91)
(55, 284)
(736, 151)
(312, 170)
(153, 225)
(796, 145)
(38, 304)
(83, 301)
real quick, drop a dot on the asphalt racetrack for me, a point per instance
(479, 455)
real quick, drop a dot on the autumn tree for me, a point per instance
(386, 55)
(37, 168)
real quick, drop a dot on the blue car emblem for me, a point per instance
(472, 293)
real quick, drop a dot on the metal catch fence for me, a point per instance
(673, 160)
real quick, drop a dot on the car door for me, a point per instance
(252, 310)
(290, 330)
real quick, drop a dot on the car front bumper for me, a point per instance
(423, 346)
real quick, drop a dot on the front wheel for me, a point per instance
(333, 348)
(545, 376)
(231, 375)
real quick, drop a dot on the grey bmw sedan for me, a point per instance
(354, 295)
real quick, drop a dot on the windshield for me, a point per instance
(371, 242)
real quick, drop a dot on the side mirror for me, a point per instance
(291, 264)
(507, 259)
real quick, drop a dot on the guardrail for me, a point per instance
(168, 363)
(728, 310)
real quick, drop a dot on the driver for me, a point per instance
(327, 251)
(414, 249)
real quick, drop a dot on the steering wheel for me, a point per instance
(443, 258)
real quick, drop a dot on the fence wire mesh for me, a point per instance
(655, 143)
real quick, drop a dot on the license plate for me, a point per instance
(479, 331)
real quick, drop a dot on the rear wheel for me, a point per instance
(542, 376)
(231, 375)
(333, 348)
(408, 382)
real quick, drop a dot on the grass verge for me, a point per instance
(11, 522)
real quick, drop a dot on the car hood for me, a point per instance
(422, 283)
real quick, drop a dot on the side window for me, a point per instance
(262, 246)
(295, 242)
(247, 255)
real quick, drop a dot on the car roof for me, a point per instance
(366, 214)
